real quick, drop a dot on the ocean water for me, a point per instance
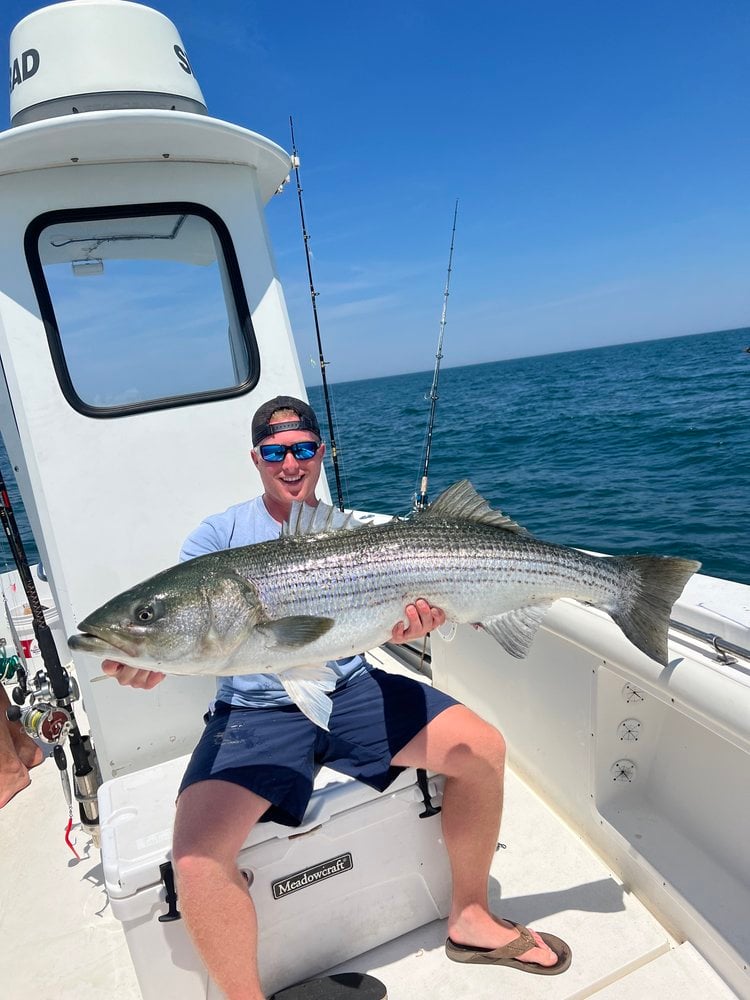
(6, 559)
(641, 447)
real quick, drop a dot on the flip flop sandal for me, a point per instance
(508, 954)
(342, 986)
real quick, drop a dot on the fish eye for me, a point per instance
(146, 613)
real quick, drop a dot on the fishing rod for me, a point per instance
(44, 705)
(420, 498)
(313, 296)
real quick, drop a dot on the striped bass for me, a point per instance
(331, 587)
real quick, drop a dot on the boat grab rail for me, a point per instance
(723, 647)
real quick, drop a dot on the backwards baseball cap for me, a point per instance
(307, 420)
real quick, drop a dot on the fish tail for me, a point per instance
(642, 609)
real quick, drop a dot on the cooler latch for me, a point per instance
(167, 877)
(424, 787)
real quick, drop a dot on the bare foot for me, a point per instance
(541, 955)
(480, 929)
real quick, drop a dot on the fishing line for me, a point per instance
(448, 631)
(313, 296)
(421, 501)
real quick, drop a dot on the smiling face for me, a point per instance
(290, 480)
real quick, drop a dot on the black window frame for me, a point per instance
(130, 211)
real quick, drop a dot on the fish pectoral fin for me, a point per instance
(515, 630)
(308, 687)
(298, 630)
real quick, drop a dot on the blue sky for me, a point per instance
(599, 151)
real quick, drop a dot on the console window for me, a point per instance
(144, 307)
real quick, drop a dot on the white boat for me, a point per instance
(141, 321)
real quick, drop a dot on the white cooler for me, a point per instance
(363, 869)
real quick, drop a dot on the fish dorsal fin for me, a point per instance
(306, 520)
(462, 501)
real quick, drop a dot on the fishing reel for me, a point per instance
(44, 705)
(50, 720)
(44, 722)
(40, 719)
(37, 693)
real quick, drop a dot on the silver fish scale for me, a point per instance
(460, 566)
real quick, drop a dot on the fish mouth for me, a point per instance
(100, 640)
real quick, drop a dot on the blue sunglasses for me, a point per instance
(302, 451)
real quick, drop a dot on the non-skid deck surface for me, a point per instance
(681, 974)
(58, 937)
(547, 878)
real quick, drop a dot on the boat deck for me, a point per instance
(60, 939)
(546, 877)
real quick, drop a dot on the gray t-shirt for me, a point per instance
(244, 524)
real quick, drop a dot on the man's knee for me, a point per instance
(212, 823)
(489, 747)
(192, 869)
(478, 749)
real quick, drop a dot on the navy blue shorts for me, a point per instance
(276, 751)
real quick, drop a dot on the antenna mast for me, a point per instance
(313, 295)
(420, 498)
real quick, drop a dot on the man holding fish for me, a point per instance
(379, 724)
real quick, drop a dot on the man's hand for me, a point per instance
(132, 676)
(422, 618)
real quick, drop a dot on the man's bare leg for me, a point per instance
(18, 753)
(471, 754)
(212, 823)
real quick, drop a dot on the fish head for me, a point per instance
(188, 619)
